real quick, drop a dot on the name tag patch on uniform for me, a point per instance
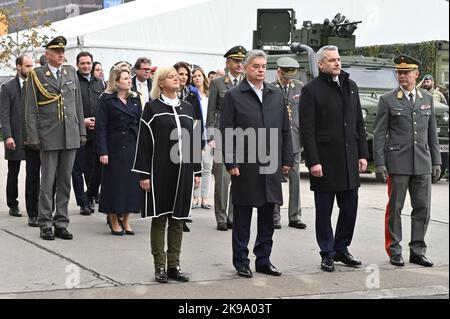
(425, 107)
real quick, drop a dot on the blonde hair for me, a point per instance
(114, 77)
(160, 75)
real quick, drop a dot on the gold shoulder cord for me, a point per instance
(51, 97)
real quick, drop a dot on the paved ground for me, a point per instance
(98, 265)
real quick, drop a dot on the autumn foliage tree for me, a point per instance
(23, 32)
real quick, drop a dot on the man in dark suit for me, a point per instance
(406, 152)
(336, 152)
(54, 124)
(255, 122)
(11, 118)
(217, 90)
(86, 161)
(142, 82)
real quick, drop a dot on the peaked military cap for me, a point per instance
(428, 77)
(58, 42)
(236, 53)
(288, 65)
(406, 63)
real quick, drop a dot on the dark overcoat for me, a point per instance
(11, 117)
(90, 94)
(333, 132)
(117, 128)
(242, 109)
(166, 131)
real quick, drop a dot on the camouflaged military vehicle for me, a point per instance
(278, 36)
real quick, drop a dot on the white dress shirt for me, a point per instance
(144, 90)
(54, 70)
(258, 92)
(407, 93)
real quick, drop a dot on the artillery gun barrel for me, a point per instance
(348, 23)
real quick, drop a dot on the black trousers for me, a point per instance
(348, 204)
(93, 170)
(241, 235)
(12, 184)
(78, 179)
(32, 181)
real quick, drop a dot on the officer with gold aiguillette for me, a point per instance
(54, 124)
(288, 83)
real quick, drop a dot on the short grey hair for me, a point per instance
(320, 56)
(253, 54)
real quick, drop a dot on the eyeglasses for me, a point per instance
(146, 70)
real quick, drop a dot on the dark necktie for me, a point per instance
(411, 98)
(58, 74)
(235, 82)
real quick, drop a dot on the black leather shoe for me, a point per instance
(420, 260)
(222, 227)
(186, 229)
(33, 222)
(327, 264)
(161, 276)
(244, 272)
(15, 212)
(347, 259)
(268, 270)
(177, 275)
(91, 206)
(121, 232)
(47, 234)
(397, 260)
(189, 220)
(85, 211)
(277, 226)
(230, 225)
(297, 224)
(63, 233)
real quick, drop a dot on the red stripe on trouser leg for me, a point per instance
(387, 233)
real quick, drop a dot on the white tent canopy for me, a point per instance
(196, 31)
(201, 31)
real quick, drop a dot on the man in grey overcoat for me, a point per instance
(406, 151)
(11, 118)
(257, 119)
(55, 125)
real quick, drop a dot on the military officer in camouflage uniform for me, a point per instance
(406, 152)
(292, 88)
(428, 84)
(217, 90)
(54, 124)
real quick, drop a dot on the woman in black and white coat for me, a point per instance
(165, 157)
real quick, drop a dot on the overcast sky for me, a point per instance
(384, 21)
